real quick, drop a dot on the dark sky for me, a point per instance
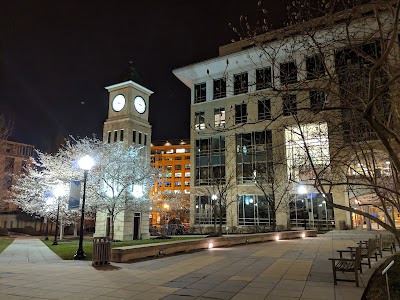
(56, 57)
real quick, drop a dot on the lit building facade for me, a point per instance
(172, 191)
(243, 129)
(127, 122)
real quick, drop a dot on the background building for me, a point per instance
(171, 192)
(14, 159)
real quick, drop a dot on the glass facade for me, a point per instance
(310, 211)
(253, 210)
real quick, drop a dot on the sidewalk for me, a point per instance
(286, 269)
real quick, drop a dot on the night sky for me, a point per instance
(56, 57)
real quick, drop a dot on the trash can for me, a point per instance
(342, 225)
(101, 251)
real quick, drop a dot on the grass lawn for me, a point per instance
(66, 249)
(376, 288)
(4, 242)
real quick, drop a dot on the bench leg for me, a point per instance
(369, 262)
(334, 273)
(356, 275)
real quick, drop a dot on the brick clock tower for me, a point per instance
(128, 113)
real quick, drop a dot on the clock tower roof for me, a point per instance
(129, 83)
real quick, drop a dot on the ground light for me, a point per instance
(210, 245)
(277, 238)
(303, 235)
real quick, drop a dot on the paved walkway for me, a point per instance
(285, 269)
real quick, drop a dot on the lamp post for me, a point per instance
(58, 192)
(302, 190)
(214, 199)
(85, 163)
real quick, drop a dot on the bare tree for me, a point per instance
(337, 64)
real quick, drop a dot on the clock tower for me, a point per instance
(127, 122)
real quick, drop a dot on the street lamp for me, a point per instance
(85, 163)
(302, 190)
(58, 192)
(214, 198)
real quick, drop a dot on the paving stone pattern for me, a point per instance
(285, 269)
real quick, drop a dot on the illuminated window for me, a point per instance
(178, 175)
(178, 183)
(219, 117)
(313, 136)
(187, 174)
(199, 121)
(181, 150)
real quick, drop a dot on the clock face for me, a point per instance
(118, 103)
(140, 104)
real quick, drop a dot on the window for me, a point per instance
(187, 158)
(121, 135)
(204, 211)
(145, 139)
(314, 136)
(240, 113)
(199, 120)
(210, 161)
(253, 210)
(168, 167)
(134, 136)
(187, 183)
(264, 109)
(178, 175)
(254, 156)
(178, 157)
(288, 72)
(178, 183)
(167, 184)
(240, 83)
(187, 166)
(263, 78)
(178, 167)
(109, 137)
(187, 174)
(317, 101)
(289, 105)
(140, 138)
(315, 67)
(115, 135)
(219, 117)
(200, 92)
(219, 88)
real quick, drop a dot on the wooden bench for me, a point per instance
(367, 250)
(347, 265)
(387, 242)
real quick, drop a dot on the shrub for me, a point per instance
(3, 231)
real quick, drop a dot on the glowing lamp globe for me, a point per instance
(86, 163)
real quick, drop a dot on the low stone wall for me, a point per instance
(131, 253)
